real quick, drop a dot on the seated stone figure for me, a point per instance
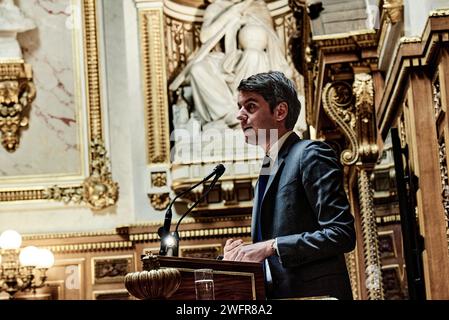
(238, 40)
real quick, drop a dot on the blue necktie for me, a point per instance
(263, 180)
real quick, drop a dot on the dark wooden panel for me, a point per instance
(232, 280)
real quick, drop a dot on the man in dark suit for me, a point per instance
(301, 223)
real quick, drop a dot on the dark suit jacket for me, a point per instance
(306, 209)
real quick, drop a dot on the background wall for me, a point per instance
(54, 148)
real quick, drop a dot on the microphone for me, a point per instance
(169, 242)
(218, 170)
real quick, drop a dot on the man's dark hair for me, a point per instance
(275, 88)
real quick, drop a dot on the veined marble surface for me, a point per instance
(50, 146)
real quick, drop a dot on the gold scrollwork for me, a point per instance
(364, 101)
(394, 10)
(338, 105)
(98, 190)
(160, 201)
(17, 92)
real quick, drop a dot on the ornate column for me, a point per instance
(352, 109)
(17, 89)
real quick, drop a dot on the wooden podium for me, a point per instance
(232, 280)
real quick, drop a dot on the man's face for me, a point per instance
(256, 119)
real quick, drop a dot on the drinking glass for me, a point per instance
(204, 284)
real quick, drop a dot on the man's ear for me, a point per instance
(281, 111)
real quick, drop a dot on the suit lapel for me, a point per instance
(291, 140)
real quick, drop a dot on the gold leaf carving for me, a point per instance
(159, 179)
(17, 92)
(394, 10)
(338, 105)
(366, 125)
(369, 232)
(98, 190)
(160, 201)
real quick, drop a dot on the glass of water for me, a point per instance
(204, 284)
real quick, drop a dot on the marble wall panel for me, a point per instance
(52, 144)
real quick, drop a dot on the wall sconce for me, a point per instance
(22, 269)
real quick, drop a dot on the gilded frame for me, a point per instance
(130, 267)
(94, 119)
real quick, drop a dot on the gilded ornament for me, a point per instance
(17, 92)
(98, 190)
(394, 10)
(160, 201)
(369, 233)
(339, 106)
(363, 90)
(159, 179)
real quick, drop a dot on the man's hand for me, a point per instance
(231, 248)
(256, 252)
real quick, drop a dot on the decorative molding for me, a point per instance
(159, 179)
(351, 263)
(394, 10)
(436, 94)
(98, 190)
(369, 233)
(388, 219)
(67, 235)
(21, 195)
(208, 251)
(409, 54)
(344, 42)
(338, 104)
(414, 39)
(155, 84)
(444, 176)
(17, 92)
(93, 68)
(92, 246)
(363, 90)
(182, 41)
(111, 269)
(439, 13)
(196, 233)
(159, 201)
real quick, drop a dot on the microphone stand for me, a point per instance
(170, 241)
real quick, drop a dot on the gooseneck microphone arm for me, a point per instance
(168, 215)
(164, 231)
(198, 201)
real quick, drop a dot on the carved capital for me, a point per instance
(339, 106)
(17, 92)
(366, 125)
(394, 10)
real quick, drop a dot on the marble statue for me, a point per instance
(12, 22)
(238, 39)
